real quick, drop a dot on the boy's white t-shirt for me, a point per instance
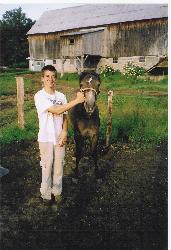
(50, 125)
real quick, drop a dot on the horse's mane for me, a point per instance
(89, 74)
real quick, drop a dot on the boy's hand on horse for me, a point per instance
(80, 97)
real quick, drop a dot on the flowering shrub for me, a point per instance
(107, 70)
(133, 71)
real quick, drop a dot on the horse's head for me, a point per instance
(89, 84)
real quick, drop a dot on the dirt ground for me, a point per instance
(126, 210)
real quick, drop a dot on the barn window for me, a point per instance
(38, 63)
(71, 41)
(142, 59)
(115, 59)
(54, 61)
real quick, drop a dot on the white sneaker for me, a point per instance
(58, 198)
(46, 197)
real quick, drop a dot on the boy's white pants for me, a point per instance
(52, 161)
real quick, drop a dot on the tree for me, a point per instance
(13, 40)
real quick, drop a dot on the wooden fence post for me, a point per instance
(109, 122)
(20, 101)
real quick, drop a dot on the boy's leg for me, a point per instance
(59, 154)
(46, 154)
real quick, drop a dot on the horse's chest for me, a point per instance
(87, 128)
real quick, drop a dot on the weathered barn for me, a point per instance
(91, 36)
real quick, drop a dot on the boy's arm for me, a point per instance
(65, 123)
(63, 135)
(62, 108)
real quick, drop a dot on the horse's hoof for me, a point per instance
(75, 181)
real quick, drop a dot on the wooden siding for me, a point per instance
(37, 46)
(71, 50)
(93, 43)
(46, 45)
(137, 38)
(52, 46)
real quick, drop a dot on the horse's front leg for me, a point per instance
(94, 142)
(79, 141)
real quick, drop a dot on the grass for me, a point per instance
(120, 82)
(12, 133)
(137, 119)
(8, 82)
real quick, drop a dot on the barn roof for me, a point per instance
(92, 15)
(162, 63)
(82, 32)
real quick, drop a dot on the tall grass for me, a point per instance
(137, 120)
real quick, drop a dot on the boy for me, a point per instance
(52, 110)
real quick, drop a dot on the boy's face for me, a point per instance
(49, 79)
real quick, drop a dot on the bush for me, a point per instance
(132, 71)
(108, 71)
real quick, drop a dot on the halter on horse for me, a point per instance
(89, 85)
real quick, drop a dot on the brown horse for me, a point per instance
(85, 117)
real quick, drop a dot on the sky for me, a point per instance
(35, 8)
(34, 11)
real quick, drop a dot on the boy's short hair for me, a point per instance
(50, 68)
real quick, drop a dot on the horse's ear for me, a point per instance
(82, 75)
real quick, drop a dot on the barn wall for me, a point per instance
(69, 65)
(140, 38)
(71, 50)
(46, 45)
(90, 43)
(37, 46)
(93, 43)
(52, 46)
(123, 61)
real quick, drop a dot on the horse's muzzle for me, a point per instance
(89, 109)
